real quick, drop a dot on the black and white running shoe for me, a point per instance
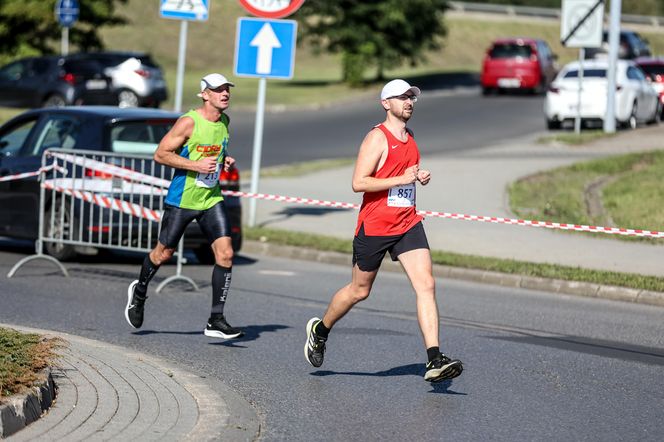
(217, 327)
(441, 368)
(314, 348)
(135, 306)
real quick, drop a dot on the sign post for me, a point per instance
(66, 12)
(581, 27)
(263, 49)
(197, 10)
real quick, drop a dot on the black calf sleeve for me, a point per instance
(148, 270)
(221, 284)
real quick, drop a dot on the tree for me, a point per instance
(373, 33)
(29, 27)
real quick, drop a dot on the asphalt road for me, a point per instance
(441, 122)
(537, 366)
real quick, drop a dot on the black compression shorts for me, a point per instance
(213, 223)
(369, 251)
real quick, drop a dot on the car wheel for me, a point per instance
(487, 91)
(61, 228)
(553, 124)
(127, 98)
(54, 100)
(631, 121)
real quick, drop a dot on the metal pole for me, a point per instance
(614, 37)
(182, 52)
(577, 120)
(258, 145)
(64, 41)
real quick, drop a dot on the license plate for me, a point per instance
(509, 82)
(96, 84)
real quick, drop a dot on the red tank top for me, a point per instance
(397, 217)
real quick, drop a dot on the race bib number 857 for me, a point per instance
(401, 196)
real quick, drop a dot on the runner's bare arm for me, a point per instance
(177, 137)
(372, 151)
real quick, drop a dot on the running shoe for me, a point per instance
(217, 327)
(135, 306)
(441, 368)
(314, 348)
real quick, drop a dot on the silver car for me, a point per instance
(137, 79)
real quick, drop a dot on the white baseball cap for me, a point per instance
(213, 81)
(398, 87)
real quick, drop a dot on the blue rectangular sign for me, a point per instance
(197, 10)
(265, 48)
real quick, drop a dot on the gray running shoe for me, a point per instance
(441, 368)
(135, 306)
(314, 348)
(217, 327)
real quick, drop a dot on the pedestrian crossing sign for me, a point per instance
(197, 10)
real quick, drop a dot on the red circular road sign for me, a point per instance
(271, 9)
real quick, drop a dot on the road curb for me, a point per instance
(575, 288)
(110, 392)
(22, 409)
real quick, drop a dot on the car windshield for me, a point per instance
(653, 70)
(510, 50)
(138, 137)
(587, 73)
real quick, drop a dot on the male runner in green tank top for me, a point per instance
(196, 147)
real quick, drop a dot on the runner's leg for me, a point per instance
(358, 290)
(417, 264)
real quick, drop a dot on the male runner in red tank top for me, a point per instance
(387, 171)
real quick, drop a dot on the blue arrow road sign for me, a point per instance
(197, 10)
(265, 48)
(66, 12)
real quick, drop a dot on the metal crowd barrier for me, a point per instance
(101, 200)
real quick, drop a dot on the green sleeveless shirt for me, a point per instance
(193, 190)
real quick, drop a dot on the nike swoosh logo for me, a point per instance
(395, 146)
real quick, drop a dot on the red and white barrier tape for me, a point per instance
(20, 176)
(111, 169)
(153, 215)
(110, 203)
(460, 216)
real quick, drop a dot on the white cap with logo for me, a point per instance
(213, 81)
(398, 87)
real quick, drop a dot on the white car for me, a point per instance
(636, 100)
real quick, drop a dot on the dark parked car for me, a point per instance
(518, 64)
(631, 46)
(54, 81)
(137, 79)
(24, 138)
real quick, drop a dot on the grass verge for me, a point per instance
(302, 168)
(626, 190)
(327, 243)
(22, 357)
(575, 139)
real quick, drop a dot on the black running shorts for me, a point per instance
(213, 223)
(369, 251)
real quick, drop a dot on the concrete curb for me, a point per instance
(574, 288)
(22, 409)
(109, 392)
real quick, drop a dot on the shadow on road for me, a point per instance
(403, 370)
(251, 333)
(598, 347)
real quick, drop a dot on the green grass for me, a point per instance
(303, 168)
(22, 356)
(633, 197)
(327, 243)
(575, 139)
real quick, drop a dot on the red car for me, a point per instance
(654, 70)
(518, 64)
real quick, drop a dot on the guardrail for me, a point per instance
(547, 13)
